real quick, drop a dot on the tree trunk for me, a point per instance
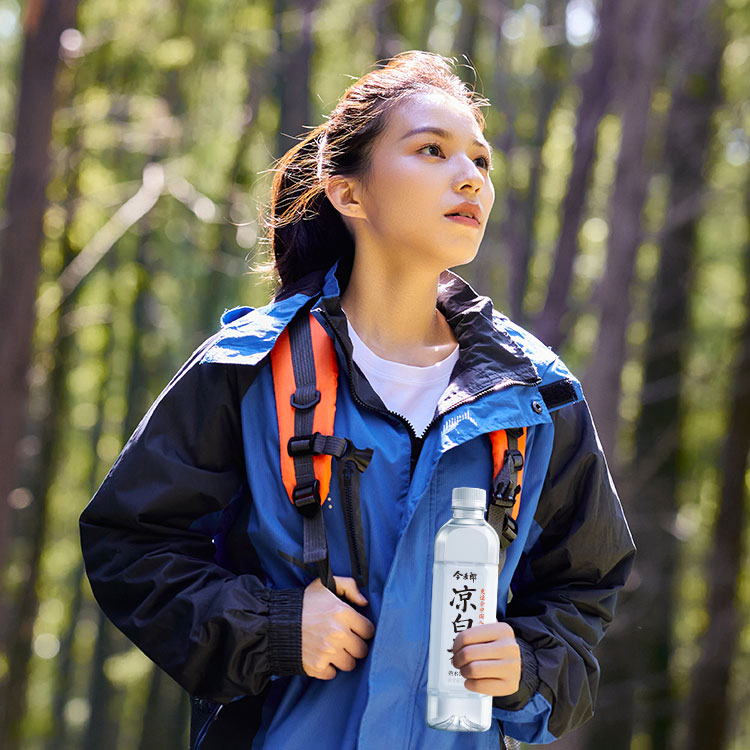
(293, 77)
(708, 702)
(102, 729)
(596, 93)
(643, 27)
(164, 722)
(35, 518)
(64, 667)
(466, 37)
(213, 297)
(428, 21)
(653, 503)
(103, 726)
(515, 233)
(523, 209)
(485, 271)
(388, 41)
(638, 651)
(21, 237)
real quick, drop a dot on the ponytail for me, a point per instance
(305, 231)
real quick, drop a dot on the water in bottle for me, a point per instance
(464, 595)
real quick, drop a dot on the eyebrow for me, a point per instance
(443, 134)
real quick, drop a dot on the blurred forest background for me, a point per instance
(135, 143)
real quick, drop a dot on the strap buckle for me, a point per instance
(302, 445)
(305, 398)
(515, 459)
(360, 457)
(306, 498)
(505, 494)
(510, 531)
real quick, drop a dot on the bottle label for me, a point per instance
(466, 603)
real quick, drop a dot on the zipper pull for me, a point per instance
(360, 457)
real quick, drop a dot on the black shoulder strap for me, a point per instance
(505, 490)
(302, 447)
(306, 494)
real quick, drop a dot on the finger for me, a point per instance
(356, 646)
(492, 687)
(319, 668)
(343, 660)
(487, 651)
(360, 625)
(483, 634)
(347, 587)
(326, 673)
(492, 669)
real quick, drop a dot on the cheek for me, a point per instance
(490, 196)
(395, 196)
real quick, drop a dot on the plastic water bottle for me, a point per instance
(464, 595)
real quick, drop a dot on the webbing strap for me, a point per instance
(305, 376)
(508, 449)
(288, 402)
(306, 493)
(305, 398)
(315, 548)
(317, 445)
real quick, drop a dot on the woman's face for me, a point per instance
(430, 163)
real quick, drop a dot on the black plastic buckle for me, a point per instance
(510, 531)
(297, 403)
(360, 457)
(307, 498)
(302, 445)
(504, 495)
(516, 458)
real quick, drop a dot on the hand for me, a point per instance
(489, 658)
(333, 633)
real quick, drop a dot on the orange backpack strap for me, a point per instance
(508, 451)
(305, 377)
(321, 401)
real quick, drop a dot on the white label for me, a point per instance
(467, 602)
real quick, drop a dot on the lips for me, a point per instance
(468, 210)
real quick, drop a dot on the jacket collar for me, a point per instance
(489, 358)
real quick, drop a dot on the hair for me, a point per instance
(305, 231)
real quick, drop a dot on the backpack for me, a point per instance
(305, 378)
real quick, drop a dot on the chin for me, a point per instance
(462, 260)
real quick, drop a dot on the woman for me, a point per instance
(193, 548)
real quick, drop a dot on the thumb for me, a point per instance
(347, 587)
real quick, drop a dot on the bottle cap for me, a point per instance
(472, 498)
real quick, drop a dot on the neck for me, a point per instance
(394, 312)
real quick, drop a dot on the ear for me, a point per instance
(345, 195)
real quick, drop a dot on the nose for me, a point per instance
(468, 175)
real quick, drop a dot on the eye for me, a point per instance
(483, 163)
(432, 146)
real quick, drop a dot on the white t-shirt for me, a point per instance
(408, 390)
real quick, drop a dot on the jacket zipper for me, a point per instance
(353, 532)
(417, 442)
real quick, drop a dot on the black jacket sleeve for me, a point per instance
(565, 587)
(147, 539)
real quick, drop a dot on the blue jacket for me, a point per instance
(190, 541)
